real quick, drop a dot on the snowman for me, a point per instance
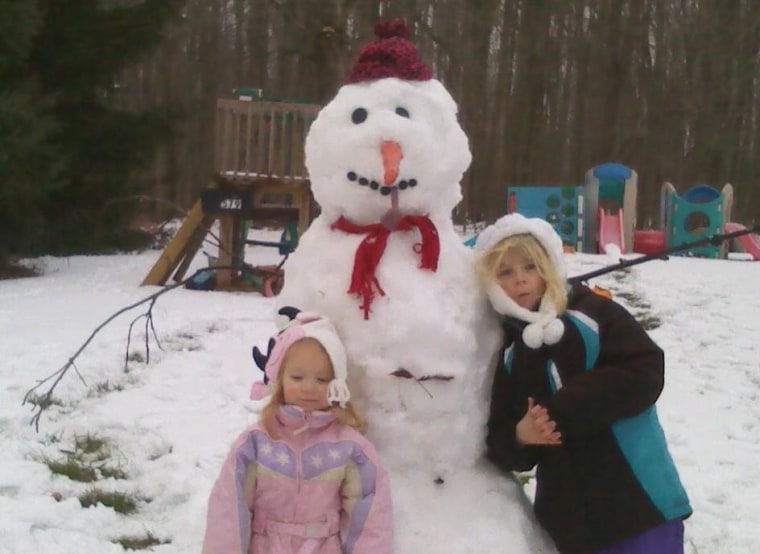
(384, 261)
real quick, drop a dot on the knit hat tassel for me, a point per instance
(338, 392)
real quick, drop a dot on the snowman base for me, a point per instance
(477, 509)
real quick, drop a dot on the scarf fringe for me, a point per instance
(364, 281)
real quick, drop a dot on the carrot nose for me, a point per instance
(391, 153)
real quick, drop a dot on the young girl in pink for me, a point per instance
(304, 480)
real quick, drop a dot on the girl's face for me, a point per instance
(518, 277)
(306, 374)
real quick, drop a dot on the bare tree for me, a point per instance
(546, 89)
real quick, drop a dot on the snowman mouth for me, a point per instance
(375, 185)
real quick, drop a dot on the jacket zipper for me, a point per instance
(297, 452)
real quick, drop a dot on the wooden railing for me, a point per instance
(262, 139)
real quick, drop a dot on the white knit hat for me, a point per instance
(544, 326)
(305, 324)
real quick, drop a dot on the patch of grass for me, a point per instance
(87, 462)
(54, 438)
(634, 300)
(92, 445)
(139, 543)
(121, 502)
(136, 356)
(649, 322)
(109, 472)
(158, 454)
(43, 400)
(184, 341)
(641, 310)
(105, 387)
(621, 274)
(74, 469)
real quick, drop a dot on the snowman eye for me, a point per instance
(359, 115)
(402, 112)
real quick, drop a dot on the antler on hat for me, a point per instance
(391, 54)
(303, 324)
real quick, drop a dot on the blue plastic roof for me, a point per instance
(612, 170)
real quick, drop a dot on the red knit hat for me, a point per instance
(392, 54)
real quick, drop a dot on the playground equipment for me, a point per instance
(602, 213)
(610, 207)
(259, 176)
(748, 243)
(591, 217)
(700, 212)
(560, 206)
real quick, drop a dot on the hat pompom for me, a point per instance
(533, 335)
(391, 54)
(259, 390)
(553, 331)
(338, 392)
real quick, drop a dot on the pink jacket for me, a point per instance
(318, 489)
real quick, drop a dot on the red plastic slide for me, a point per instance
(749, 242)
(610, 231)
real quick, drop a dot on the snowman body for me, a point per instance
(424, 347)
(421, 357)
(407, 364)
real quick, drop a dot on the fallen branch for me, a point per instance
(44, 401)
(716, 240)
(148, 315)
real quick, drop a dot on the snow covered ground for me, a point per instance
(158, 432)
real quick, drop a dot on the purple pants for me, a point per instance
(666, 538)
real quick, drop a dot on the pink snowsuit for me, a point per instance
(318, 489)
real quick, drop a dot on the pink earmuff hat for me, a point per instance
(306, 324)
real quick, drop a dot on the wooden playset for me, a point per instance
(259, 177)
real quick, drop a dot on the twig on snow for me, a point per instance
(45, 400)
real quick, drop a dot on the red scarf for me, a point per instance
(371, 249)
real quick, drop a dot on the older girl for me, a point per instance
(574, 395)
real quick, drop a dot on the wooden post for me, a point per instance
(229, 226)
(177, 249)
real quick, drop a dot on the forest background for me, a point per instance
(107, 106)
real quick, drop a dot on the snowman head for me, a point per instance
(389, 139)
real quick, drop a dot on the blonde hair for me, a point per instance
(349, 415)
(529, 247)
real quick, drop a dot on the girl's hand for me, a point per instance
(536, 427)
